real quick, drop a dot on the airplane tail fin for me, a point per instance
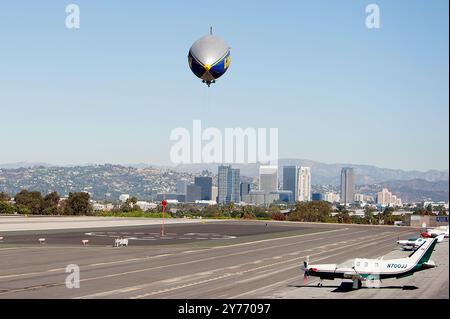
(423, 253)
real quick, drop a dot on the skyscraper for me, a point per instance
(229, 180)
(205, 182)
(222, 184)
(235, 186)
(290, 181)
(347, 185)
(193, 193)
(268, 178)
(181, 186)
(304, 184)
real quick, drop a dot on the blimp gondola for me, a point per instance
(209, 58)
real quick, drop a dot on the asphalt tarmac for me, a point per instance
(229, 259)
(152, 234)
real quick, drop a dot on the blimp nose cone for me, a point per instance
(209, 49)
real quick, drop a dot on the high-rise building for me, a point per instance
(205, 182)
(304, 184)
(290, 181)
(268, 178)
(347, 185)
(234, 191)
(386, 198)
(181, 186)
(245, 189)
(359, 198)
(229, 180)
(222, 183)
(193, 193)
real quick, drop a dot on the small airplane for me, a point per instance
(411, 243)
(371, 270)
(436, 232)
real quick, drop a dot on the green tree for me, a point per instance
(317, 211)
(441, 210)
(32, 200)
(21, 209)
(78, 204)
(369, 217)
(278, 216)
(50, 204)
(6, 208)
(4, 197)
(51, 200)
(344, 217)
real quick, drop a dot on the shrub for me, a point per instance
(278, 216)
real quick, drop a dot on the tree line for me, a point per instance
(321, 211)
(33, 203)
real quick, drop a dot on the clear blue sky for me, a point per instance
(113, 90)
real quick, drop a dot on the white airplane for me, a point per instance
(371, 270)
(411, 243)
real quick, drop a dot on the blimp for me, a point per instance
(209, 58)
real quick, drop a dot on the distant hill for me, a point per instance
(142, 180)
(419, 190)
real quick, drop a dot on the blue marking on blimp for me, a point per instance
(197, 68)
(220, 67)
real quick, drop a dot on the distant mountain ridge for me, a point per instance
(322, 173)
(108, 181)
(418, 189)
(23, 165)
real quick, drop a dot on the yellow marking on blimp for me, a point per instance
(207, 67)
(227, 62)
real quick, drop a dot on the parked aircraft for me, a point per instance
(362, 269)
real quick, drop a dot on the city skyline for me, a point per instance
(173, 186)
(81, 86)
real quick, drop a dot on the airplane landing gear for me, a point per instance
(357, 284)
(320, 284)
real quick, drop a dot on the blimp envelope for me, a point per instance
(209, 58)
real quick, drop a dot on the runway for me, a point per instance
(257, 261)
